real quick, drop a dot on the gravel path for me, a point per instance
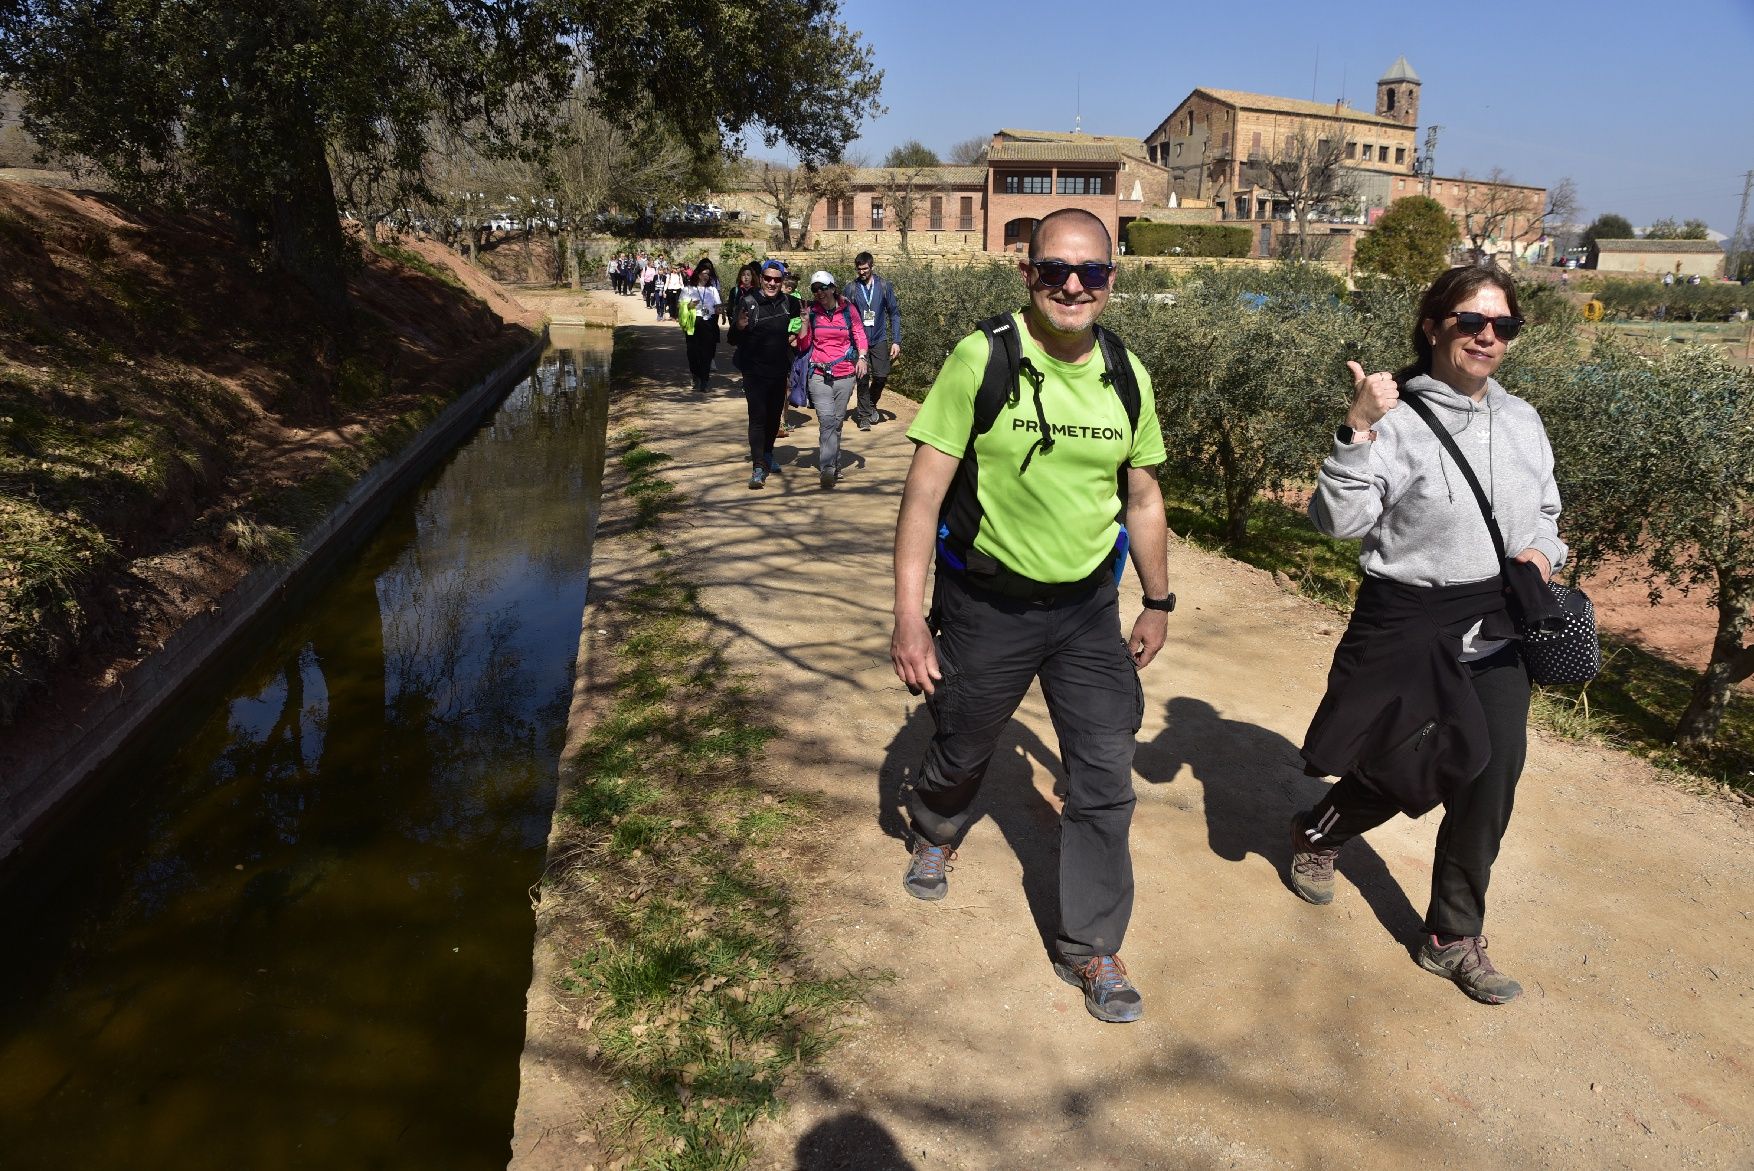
(1277, 1034)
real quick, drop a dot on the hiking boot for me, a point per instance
(1108, 994)
(1312, 869)
(1465, 962)
(863, 424)
(927, 870)
(758, 477)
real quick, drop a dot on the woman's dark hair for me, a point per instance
(752, 270)
(1446, 292)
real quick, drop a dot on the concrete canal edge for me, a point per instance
(29, 799)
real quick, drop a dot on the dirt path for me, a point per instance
(1276, 1034)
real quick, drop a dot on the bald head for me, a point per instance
(1054, 222)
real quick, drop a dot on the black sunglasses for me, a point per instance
(1092, 274)
(1474, 323)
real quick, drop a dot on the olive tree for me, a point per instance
(1250, 372)
(1656, 465)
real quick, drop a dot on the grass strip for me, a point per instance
(1632, 705)
(696, 991)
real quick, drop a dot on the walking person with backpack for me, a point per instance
(765, 324)
(1428, 697)
(834, 340)
(874, 297)
(1059, 419)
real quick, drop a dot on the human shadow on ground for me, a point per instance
(1253, 781)
(849, 1142)
(1029, 823)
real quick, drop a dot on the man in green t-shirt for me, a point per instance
(1044, 602)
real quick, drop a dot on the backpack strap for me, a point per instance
(1118, 375)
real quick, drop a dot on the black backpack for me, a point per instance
(959, 520)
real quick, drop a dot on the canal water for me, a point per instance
(294, 930)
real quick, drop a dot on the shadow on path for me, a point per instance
(1029, 822)
(1253, 782)
(849, 1142)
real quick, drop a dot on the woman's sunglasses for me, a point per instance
(1092, 274)
(1474, 323)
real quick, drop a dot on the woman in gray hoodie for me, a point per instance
(1428, 698)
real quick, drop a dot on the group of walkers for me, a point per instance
(1034, 481)
(1427, 699)
(819, 353)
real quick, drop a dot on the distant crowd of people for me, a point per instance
(831, 354)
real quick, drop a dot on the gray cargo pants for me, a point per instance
(990, 648)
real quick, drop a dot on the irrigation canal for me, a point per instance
(292, 930)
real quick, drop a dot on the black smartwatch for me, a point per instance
(1165, 604)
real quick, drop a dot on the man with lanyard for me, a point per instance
(875, 300)
(1048, 549)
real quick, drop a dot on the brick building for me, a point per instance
(1213, 144)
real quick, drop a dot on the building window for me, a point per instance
(1391, 96)
(1013, 231)
(876, 215)
(1224, 145)
(936, 214)
(1400, 184)
(1400, 154)
(1351, 150)
(1190, 122)
(1039, 184)
(1255, 146)
(1367, 151)
(1080, 185)
(965, 219)
(1178, 150)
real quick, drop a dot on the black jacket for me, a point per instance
(764, 349)
(1400, 710)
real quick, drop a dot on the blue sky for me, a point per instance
(1648, 107)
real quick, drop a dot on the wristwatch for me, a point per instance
(1165, 604)
(1346, 434)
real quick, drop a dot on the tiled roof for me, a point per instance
(1132, 146)
(1054, 152)
(1272, 105)
(949, 176)
(1657, 246)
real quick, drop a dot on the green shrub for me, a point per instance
(1145, 238)
(940, 305)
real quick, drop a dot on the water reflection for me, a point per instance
(296, 933)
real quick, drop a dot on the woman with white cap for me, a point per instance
(834, 338)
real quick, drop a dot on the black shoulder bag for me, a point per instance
(1571, 650)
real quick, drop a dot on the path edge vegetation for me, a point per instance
(668, 882)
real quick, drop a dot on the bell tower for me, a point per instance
(1397, 93)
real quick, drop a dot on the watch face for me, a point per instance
(1343, 433)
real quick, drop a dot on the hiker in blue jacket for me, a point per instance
(879, 311)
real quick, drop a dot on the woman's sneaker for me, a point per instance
(1108, 994)
(1312, 869)
(758, 477)
(1465, 962)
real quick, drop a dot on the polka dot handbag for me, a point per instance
(1572, 653)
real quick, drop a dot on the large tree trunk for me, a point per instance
(569, 242)
(304, 227)
(1731, 662)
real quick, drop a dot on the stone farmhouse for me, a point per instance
(1680, 258)
(1204, 163)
